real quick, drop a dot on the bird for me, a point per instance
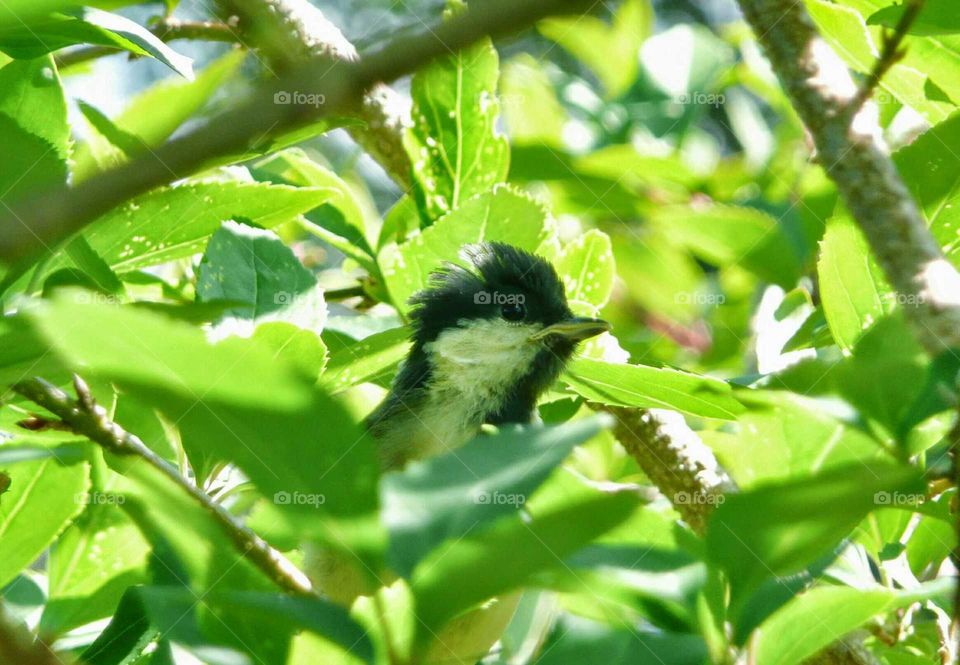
(489, 336)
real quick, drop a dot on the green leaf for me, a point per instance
(369, 359)
(232, 401)
(610, 51)
(533, 113)
(652, 387)
(783, 435)
(779, 529)
(92, 564)
(447, 497)
(587, 268)
(175, 222)
(854, 292)
(153, 115)
(730, 235)
(42, 497)
(340, 220)
(815, 619)
(253, 266)
(937, 17)
(845, 29)
(514, 548)
(33, 129)
(503, 215)
(87, 25)
(302, 349)
(454, 145)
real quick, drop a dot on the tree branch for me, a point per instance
(83, 416)
(41, 223)
(293, 31)
(18, 646)
(167, 29)
(674, 458)
(865, 177)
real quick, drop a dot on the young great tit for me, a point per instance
(487, 341)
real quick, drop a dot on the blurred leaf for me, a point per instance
(33, 129)
(232, 401)
(513, 549)
(533, 113)
(446, 497)
(342, 225)
(153, 115)
(652, 387)
(730, 235)
(503, 215)
(801, 629)
(934, 537)
(253, 266)
(302, 349)
(610, 51)
(779, 529)
(853, 289)
(454, 145)
(87, 25)
(937, 17)
(783, 435)
(587, 268)
(42, 497)
(354, 362)
(577, 640)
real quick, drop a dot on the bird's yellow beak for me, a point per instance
(576, 329)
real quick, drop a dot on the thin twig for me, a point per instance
(890, 54)
(167, 29)
(88, 419)
(39, 224)
(19, 647)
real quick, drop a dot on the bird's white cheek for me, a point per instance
(482, 356)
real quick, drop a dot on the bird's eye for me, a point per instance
(513, 311)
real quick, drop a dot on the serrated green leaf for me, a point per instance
(501, 215)
(587, 268)
(854, 292)
(33, 129)
(353, 362)
(936, 17)
(652, 387)
(453, 143)
(253, 266)
(42, 497)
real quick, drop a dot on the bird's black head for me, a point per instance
(502, 325)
